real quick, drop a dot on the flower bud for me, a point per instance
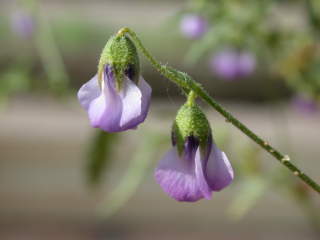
(190, 121)
(120, 54)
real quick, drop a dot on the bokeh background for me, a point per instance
(61, 179)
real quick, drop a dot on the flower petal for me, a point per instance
(219, 171)
(88, 92)
(131, 99)
(135, 102)
(146, 96)
(178, 178)
(106, 110)
(105, 113)
(200, 175)
(114, 111)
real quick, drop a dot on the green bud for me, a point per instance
(121, 54)
(190, 121)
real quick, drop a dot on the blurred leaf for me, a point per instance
(100, 155)
(251, 190)
(201, 48)
(139, 166)
(250, 160)
(221, 135)
(14, 80)
(52, 61)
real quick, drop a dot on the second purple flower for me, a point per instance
(194, 167)
(193, 26)
(232, 64)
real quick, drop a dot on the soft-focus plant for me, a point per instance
(288, 50)
(195, 166)
(234, 37)
(291, 50)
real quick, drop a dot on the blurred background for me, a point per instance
(61, 179)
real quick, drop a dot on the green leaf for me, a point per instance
(137, 170)
(251, 190)
(100, 155)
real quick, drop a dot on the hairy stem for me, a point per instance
(186, 82)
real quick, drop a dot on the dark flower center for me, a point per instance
(191, 146)
(130, 72)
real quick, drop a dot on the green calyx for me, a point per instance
(121, 55)
(191, 121)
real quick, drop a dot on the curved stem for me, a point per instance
(191, 98)
(185, 81)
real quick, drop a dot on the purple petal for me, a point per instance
(131, 99)
(114, 111)
(225, 64)
(232, 64)
(136, 102)
(180, 179)
(304, 104)
(247, 63)
(200, 175)
(22, 23)
(105, 109)
(219, 171)
(105, 112)
(88, 92)
(193, 26)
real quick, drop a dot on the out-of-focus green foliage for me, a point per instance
(12, 81)
(289, 49)
(250, 190)
(100, 155)
(137, 169)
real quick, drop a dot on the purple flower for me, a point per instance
(113, 109)
(195, 172)
(231, 64)
(22, 23)
(193, 26)
(305, 105)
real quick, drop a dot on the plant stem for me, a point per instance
(186, 82)
(191, 98)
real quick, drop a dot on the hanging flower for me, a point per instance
(193, 26)
(232, 64)
(117, 98)
(194, 167)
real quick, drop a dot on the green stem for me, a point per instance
(186, 82)
(191, 98)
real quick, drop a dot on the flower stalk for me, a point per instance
(184, 81)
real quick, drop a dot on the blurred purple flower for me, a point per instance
(194, 173)
(193, 26)
(305, 105)
(22, 23)
(232, 64)
(115, 110)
